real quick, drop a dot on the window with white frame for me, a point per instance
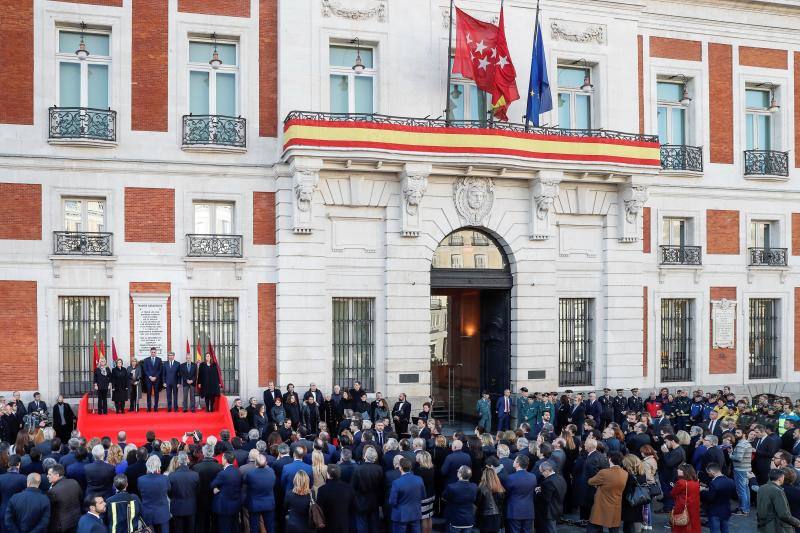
(213, 218)
(84, 214)
(672, 113)
(467, 102)
(351, 92)
(675, 231)
(213, 91)
(83, 82)
(574, 97)
(763, 234)
(758, 119)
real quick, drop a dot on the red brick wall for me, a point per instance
(797, 328)
(722, 360)
(720, 104)
(797, 109)
(227, 8)
(722, 232)
(268, 71)
(676, 49)
(16, 47)
(763, 57)
(21, 211)
(646, 229)
(644, 331)
(19, 336)
(263, 217)
(149, 215)
(151, 287)
(640, 66)
(112, 3)
(795, 233)
(150, 65)
(267, 341)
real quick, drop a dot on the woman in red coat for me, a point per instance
(686, 493)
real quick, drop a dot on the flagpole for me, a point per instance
(448, 108)
(535, 41)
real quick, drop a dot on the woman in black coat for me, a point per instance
(292, 409)
(120, 382)
(208, 382)
(296, 505)
(102, 379)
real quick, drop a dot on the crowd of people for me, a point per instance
(345, 461)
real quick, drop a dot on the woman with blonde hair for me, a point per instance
(490, 502)
(320, 470)
(425, 470)
(633, 516)
(297, 503)
(166, 455)
(116, 459)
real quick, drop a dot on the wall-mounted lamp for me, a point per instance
(774, 107)
(82, 52)
(358, 66)
(587, 82)
(685, 98)
(215, 61)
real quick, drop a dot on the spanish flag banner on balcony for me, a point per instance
(373, 132)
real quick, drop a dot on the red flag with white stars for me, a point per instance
(482, 55)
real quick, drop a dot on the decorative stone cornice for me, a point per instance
(332, 8)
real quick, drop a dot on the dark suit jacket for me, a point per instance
(228, 501)
(260, 493)
(91, 524)
(550, 501)
(154, 490)
(99, 479)
(577, 415)
(208, 470)
(368, 483)
(66, 499)
(717, 499)
(269, 398)
(69, 417)
(32, 406)
(594, 409)
(520, 488)
(152, 369)
(184, 485)
(188, 371)
(451, 465)
(500, 406)
(717, 428)
(764, 452)
(338, 502)
(460, 497)
(171, 373)
(133, 473)
(405, 498)
(27, 512)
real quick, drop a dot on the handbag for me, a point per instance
(638, 495)
(681, 519)
(316, 518)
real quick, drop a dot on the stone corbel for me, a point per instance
(305, 178)
(631, 201)
(414, 183)
(543, 192)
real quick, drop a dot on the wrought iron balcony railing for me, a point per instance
(83, 123)
(82, 243)
(214, 130)
(767, 256)
(766, 163)
(456, 240)
(681, 157)
(213, 245)
(682, 255)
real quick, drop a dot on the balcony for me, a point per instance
(214, 133)
(679, 157)
(213, 245)
(682, 255)
(767, 257)
(83, 126)
(766, 164)
(456, 240)
(82, 243)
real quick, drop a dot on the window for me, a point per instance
(574, 103)
(575, 342)
(469, 249)
(762, 234)
(217, 320)
(480, 261)
(672, 113)
(456, 261)
(213, 218)
(351, 92)
(83, 83)
(213, 91)
(758, 120)
(82, 322)
(84, 214)
(763, 338)
(676, 340)
(354, 342)
(673, 232)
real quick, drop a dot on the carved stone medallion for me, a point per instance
(473, 198)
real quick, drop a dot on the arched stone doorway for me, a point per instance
(470, 343)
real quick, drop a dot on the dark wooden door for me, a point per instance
(495, 341)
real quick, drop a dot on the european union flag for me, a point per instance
(539, 97)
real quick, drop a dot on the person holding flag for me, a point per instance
(188, 373)
(540, 100)
(209, 381)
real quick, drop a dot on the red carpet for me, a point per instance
(166, 425)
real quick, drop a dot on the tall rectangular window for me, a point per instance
(217, 320)
(763, 338)
(673, 232)
(82, 322)
(213, 91)
(758, 120)
(677, 344)
(351, 92)
(83, 83)
(762, 234)
(84, 214)
(213, 218)
(575, 338)
(574, 100)
(354, 342)
(672, 113)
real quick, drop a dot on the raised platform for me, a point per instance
(166, 425)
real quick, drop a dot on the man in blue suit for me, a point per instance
(184, 485)
(227, 488)
(152, 378)
(405, 500)
(717, 498)
(505, 406)
(455, 460)
(288, 472)
(189, 383)
(11, 483)
(520, 489)
(460, 497)
(28, 511)
(171, 378)
(91, 521)
(260, 498)
(99, 474)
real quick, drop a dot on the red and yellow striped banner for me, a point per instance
(453, 140)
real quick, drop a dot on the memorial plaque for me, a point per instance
(723, 320)
(150, 324)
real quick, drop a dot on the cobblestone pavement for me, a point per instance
(738, 524)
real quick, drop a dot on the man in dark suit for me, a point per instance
(227, 488)
(337, 500)
(401, 414)
(520, 488)
(184, 485)
(594, 410)
(714, 425)
(99, 475)
(171, 378)
(297, 464)
(577, 414)
(11, 483)
(207, 469)
(136, 470)
(594, 462)
(152, 378)
(765, 446)
(37, 404)
(505, 406)
(28, 511)
(712, 456)
(367, 483)
(66, 498)
(91, 521)
(405, 500)
(270, 395)
(549, 502)
(460, 497)
(21, 411)
(455, 460)
(188, 380)
(259, 485)
(717, 497)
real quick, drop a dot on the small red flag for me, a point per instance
(188, 348)
(114, 355)
(95, 355)
(214, 359)
(103, 348)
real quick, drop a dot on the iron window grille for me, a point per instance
(682, 255)
(766, 163)
(217, 319)
(83, 123)
(213, 245)
(575, 342)
(82, 243)
(681, 157)
(456, 240)
(215, 130)
(82, 321)
(354, 342)
(767, 256)
(677, 344)
(479, 239)
(763, 326)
